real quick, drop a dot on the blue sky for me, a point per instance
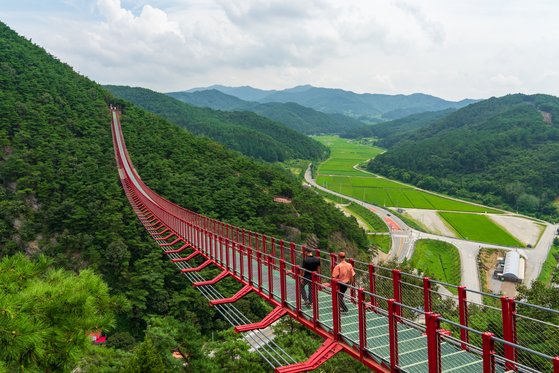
(452, 49)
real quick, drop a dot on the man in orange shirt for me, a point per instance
(344, 273)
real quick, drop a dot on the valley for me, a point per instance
(465, 225)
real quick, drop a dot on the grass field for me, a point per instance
(383, 241)
(375, 222)
(384, 192)
(338, 174)
(480, 228)
(550, 265)
(344, 155)
(437, 259)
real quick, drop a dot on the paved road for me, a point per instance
(404, 238)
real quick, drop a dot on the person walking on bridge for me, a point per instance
(344, 273)
(310, 264)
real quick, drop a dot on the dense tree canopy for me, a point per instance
(60, 195)
(46, 314)
(502, 151)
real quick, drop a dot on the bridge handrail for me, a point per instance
(197, 228)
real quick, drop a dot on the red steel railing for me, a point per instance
(399, 297)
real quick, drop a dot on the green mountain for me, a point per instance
(246, 93)
(292, 115)
(392, 131)
(366, 106)
(246, 132)
(501, 151)
(60, 195)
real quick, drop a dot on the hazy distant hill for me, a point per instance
(292, 115)
(502, 151)
(365, 106)
(246, 93)
(393, 131)
(246, 132)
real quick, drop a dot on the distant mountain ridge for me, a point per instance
(363, 106)
(247, 132)
(292, 115)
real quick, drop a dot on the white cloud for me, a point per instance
(506, 80)
(451, 49)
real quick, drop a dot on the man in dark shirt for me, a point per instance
(310, 265)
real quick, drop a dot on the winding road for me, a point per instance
(404, 238)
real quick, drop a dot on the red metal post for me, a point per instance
(270, 276)
(427, 293)
(335, 309)
(283, 283)
(221, 251)
(297, 273)
(488, 350)
(373, 286)
(259, 268)
(397, 289)
(433, 342)
(227, 255)
(234, 252)
(273, 243)
(463, 311)
(314, 295)
(282, 250)
(241, 261)
(556, 364)
(244, 237)
(393, 334)
(508, 310)
(352, 289)
(332, 262)
(292, 253)
(264, 243)
(362, 321)
(249, 265)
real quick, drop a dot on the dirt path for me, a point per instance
(527, 231)
(431, 220)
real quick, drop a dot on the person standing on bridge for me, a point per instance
(344, 273)
(310, 265)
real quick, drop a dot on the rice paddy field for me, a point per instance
(344, 155)
(337, 174)
(481, 228)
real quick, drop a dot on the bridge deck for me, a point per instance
(386, 334)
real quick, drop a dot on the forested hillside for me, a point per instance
(60, 196)
(246, 132)
(393, 131)
(292, 115)
(502, 152)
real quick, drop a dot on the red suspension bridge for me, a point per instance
(396, 321)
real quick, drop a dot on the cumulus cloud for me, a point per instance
(397, 46)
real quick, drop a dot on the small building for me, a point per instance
(514, 267)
